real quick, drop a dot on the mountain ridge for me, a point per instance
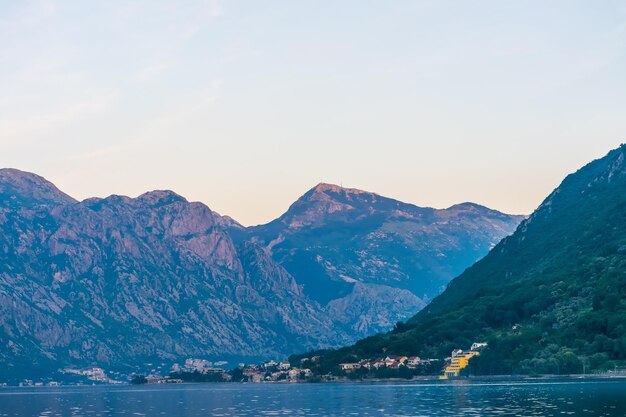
(29, 189)
(434, 243)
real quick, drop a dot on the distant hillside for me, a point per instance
(551, 298)
(375, 260)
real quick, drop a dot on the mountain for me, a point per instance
(551, 298)
(119, 282)
(350, 248)
(23, 189)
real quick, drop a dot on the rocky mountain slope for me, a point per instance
(119, 281)
(551, 298)
(348, 247)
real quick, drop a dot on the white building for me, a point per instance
(478, 345)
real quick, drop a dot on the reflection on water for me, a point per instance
(596, 398)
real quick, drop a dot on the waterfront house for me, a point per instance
(459, 361)
(394, 361)
(349, 366)
(413, 361)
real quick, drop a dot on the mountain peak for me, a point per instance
(27, 189)
(330, 201)
(332, 192)
(323, 187)
(468, 205)
(161, 197)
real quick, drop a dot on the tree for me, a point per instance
(139, 380)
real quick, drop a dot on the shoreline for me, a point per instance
(416, 381)
(486, 378)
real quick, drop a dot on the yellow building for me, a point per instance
(458, 361)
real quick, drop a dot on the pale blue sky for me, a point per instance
(246, 105)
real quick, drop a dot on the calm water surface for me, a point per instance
(596, 398)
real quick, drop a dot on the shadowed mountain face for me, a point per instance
(123, 281)
(551, 298)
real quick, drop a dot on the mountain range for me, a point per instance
(550, 298)
(121, 281)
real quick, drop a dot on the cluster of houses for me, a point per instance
(199, 365)
(92, 374)
(159, 379)
(392, 362)
(454, 364)
(265, 372)
(30, 383)
(275, 371)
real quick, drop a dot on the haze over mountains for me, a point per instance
(551, 298)
(119, 281)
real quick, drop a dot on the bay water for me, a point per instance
(460, 398)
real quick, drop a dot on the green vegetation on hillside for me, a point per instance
(549, 299)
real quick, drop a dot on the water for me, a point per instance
(595, 398)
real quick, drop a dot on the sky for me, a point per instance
(247, 105)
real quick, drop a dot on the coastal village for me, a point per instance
(457, 361)
(198, 370)
(307, 370)
(389, 362)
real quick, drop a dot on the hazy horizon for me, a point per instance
(244, 106)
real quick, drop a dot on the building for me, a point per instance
(413, 361)
(197, 365)
(458, 361)
(395, 361)
(295, 373)
(349, 366)
(256, 378)
(377, 363)
(270, 364)
(478, 345)
(365, 363)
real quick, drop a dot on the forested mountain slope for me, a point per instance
(547, 299)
